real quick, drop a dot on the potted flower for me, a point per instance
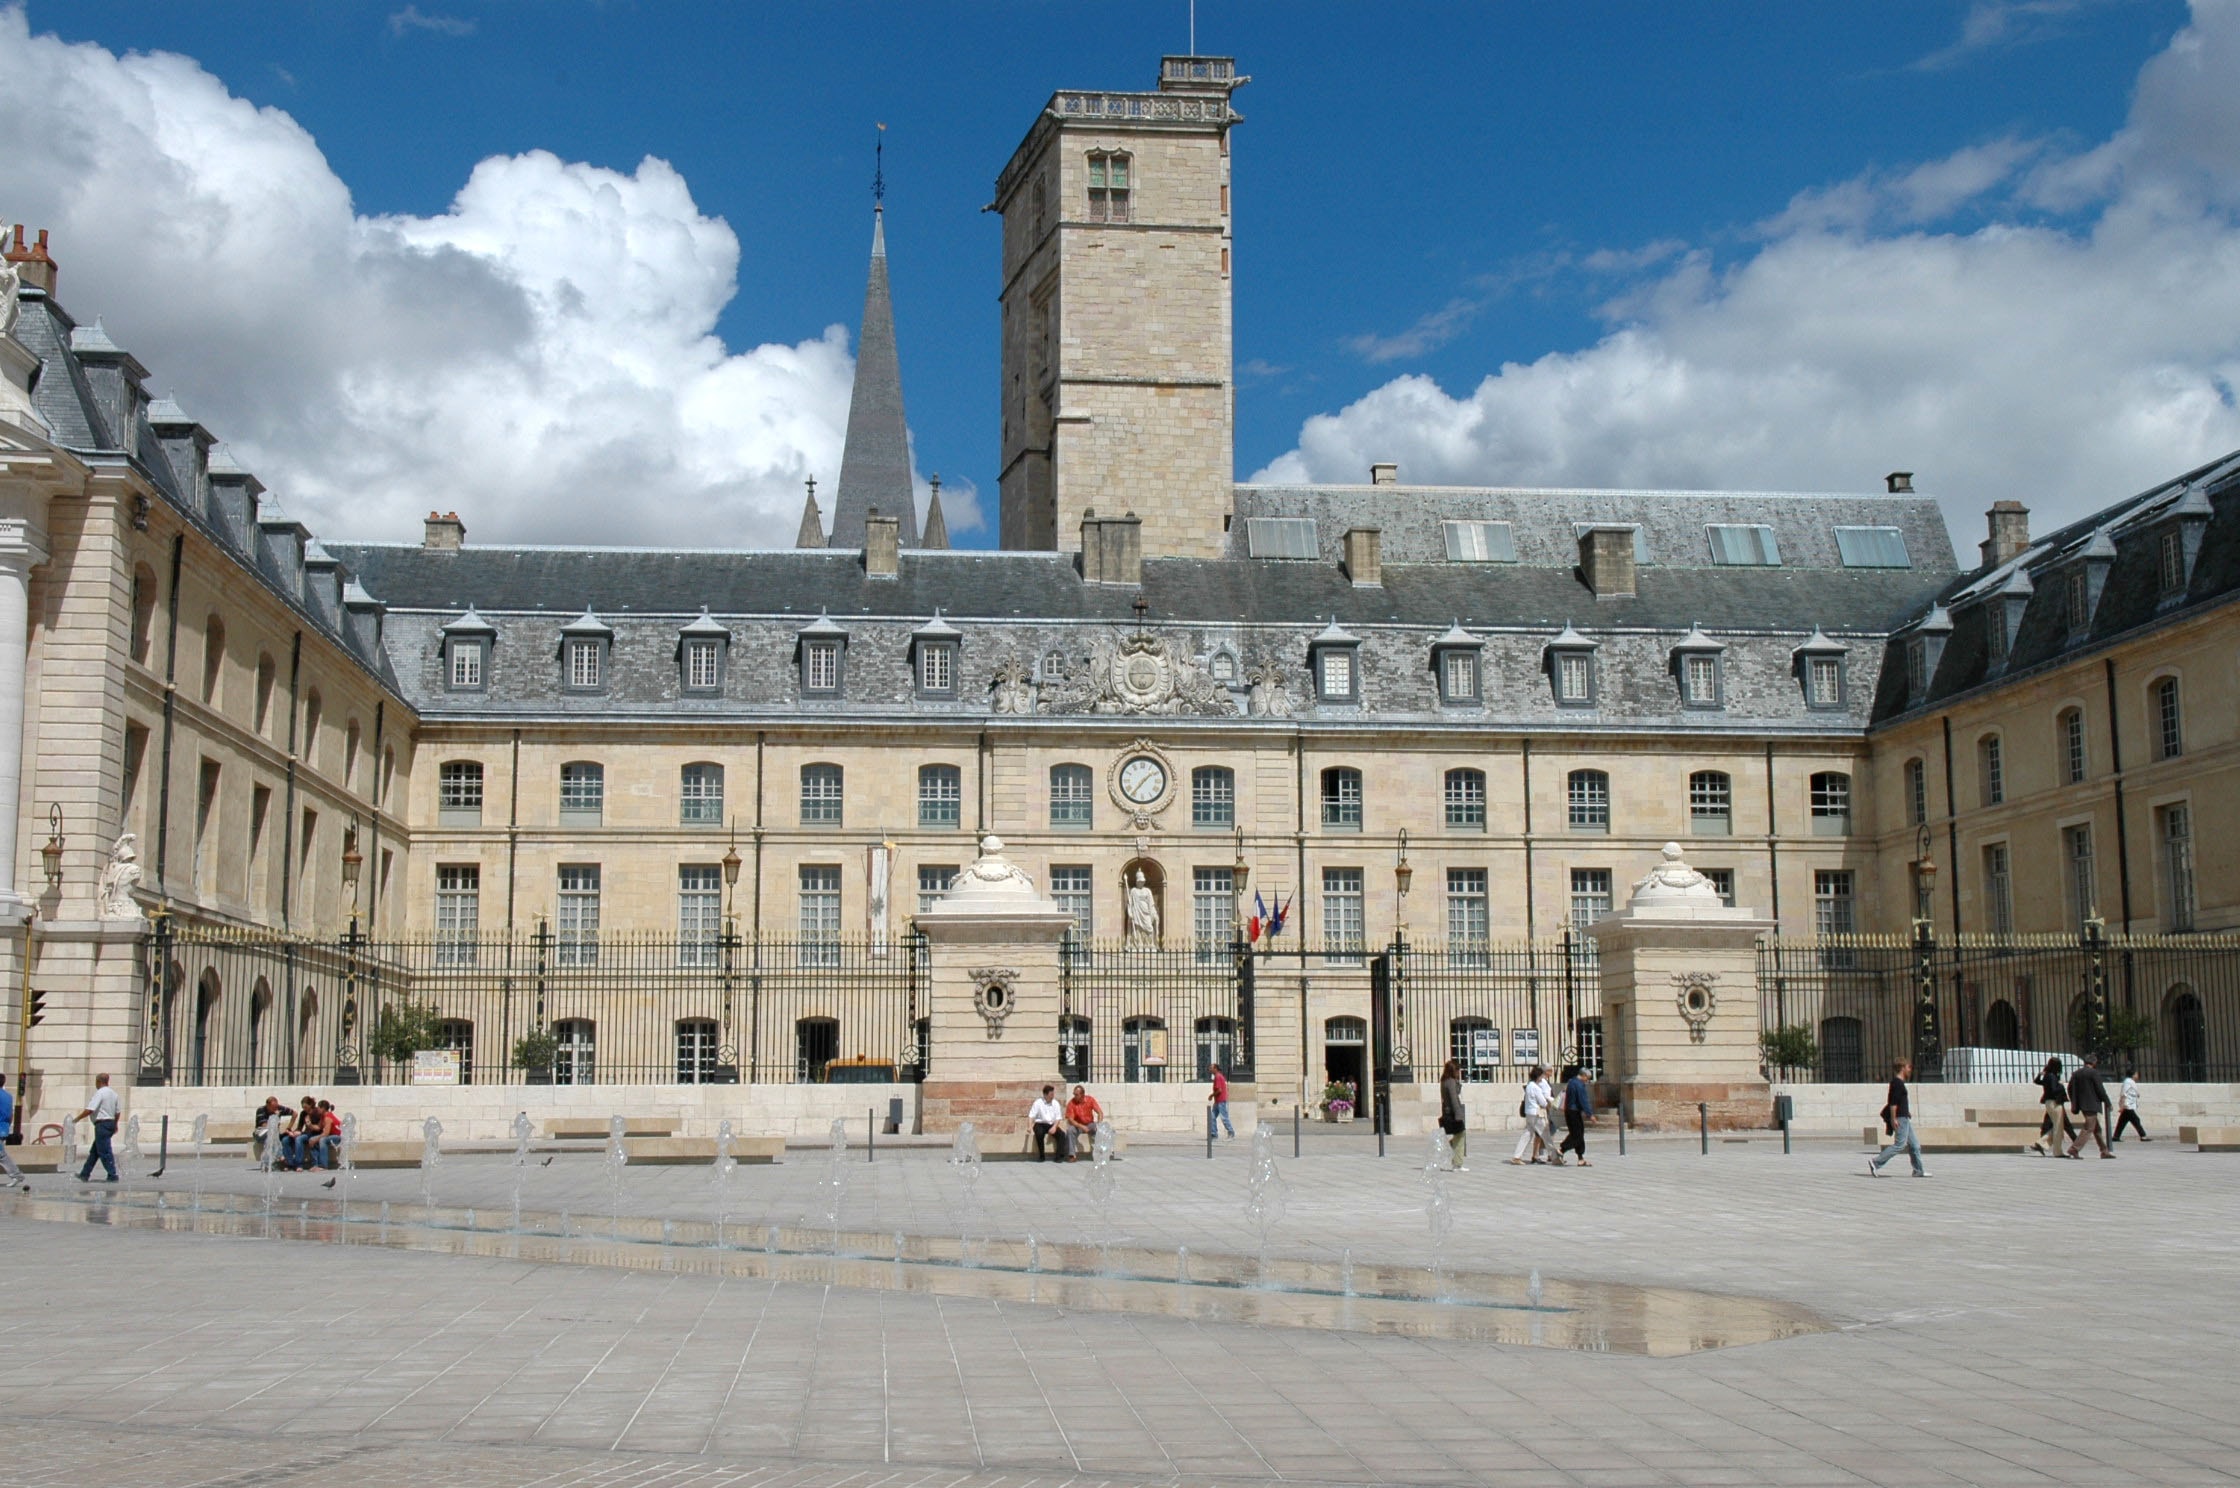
(1337, 1100)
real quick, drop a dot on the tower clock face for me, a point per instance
(1143, 779)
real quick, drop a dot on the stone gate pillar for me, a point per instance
(993, 946)
(1680, 1002)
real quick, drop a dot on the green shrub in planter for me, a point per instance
(403, 1028)
(1790, 1048)
(535, 1050)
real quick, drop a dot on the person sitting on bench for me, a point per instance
(1082, 1115)
(1049, 1121)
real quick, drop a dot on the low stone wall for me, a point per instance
(1842, 1110)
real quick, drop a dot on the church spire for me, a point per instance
(937, 528)
(875, 465)
(811, 534)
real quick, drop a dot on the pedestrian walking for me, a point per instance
(2053, 1099)
(101, 1110)
(2088, 1097)
(1578, 1110)
(1534, 1109)
(1217, 1104)
(7, 1132)
(2127, 1109)
(1897, 1119)
(1451, 1113)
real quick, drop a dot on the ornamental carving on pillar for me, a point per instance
(1697, 1000)
(992, 995)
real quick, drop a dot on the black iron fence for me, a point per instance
(1993, 1008)
(1137, 1013)
(232, 1008)
(1494, 1007)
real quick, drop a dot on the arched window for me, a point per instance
(575, 1062)
(313, 710)
(1917, 792)
(260, 1021)
(1843, 1058)
(1143, 1050)
(1074, 1034)
(350, 756)
(583, 793)
(940, 797)
(267, 674)
(143, 612)
(2076, 762)
(821, 795)
(1710, 803)
(213, 657)
(816, 1043)
(307, 1024)
(1213, 796)
(1341, 799)
(459, 793)
(1072, 796)
(1587, 795)
(696, 1051)
(700, 791)
(2170, 736)
(202, 1052)
(2186, 1031)
(1217, 1045)
(2001, 1028)
(1466, 800)
(1831, 804)
(1475, 1045)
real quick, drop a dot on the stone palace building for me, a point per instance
(1467, 715)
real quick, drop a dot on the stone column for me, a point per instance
(20, 551)
(1680, 1003)
(993, 946)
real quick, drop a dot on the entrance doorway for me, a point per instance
(1345, 1055)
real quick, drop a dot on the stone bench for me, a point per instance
(221, 1133)
(2031, 1117)
(1024, 1152)
(39, 1159)
(673, 1151)
(573, 1128)
(2206, 1138)
(386, 1154)
(1958, 1138)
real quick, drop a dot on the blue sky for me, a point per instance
(1636, 205)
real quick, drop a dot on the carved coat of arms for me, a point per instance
(1138, 674)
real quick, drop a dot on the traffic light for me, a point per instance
(35, 1014)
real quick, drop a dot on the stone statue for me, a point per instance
(11, 280)
(1143, 914)
(1270, 696)
(119, 877)
(1014, 688)
(1672, 880)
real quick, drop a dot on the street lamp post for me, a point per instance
(727, 1055)
(1927, 1046)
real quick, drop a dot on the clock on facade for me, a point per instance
(1142, 779)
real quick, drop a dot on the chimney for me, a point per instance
(2009, 522)
(1111, 549)
(445, 533)
(1900, 482)
(1384, 473)
(1606, 561)
(882, 545)
(1364, 557)
(37, 269)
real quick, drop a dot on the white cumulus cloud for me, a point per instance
(541, 357)
(2075, 339)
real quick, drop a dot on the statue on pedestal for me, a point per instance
(1143, 915)
(119, 877)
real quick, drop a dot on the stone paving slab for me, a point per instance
(1960, 1299)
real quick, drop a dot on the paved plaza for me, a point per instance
(2009, 1321)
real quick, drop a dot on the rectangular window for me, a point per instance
(703, 665)
(1831, 804)
(1458, 676)
(937, 668)
(1213, 798)
(1991, 770)
(702, 795)
(1824, 682)
(820, 666)
(459, 793)
(934, 880)
(1480, 542)
(1590, 896)
(1998, 890)
(1743, 545)
(2177, 865)
(1213, 910)
(2170, 737)
(1108, 188)
(1344, 916)
(1833, 908)
(940, 796)
(1337, 673)
(699, 914)
(583, 794)
(1071, 890)
(578, 919)
(820, 795)
(1341, 800)
(1917, 669)
(466, 665)
(1466, 800)
(1710, 803)
(820, 914)
(583, 666)
(458, 913)
(2170, 560)
(1995, 631)
(1872, 547)
(2076, 854)
(1469, 919)
(1574, 677)
(2077, 599)
(1917, 793)
(2074, 761)
(1072, 796)
(1281, 537)
(1701, 680)
(1589, 801)
(205, 816)
(1722, 879)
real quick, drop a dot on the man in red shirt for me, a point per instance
(1217, 1104)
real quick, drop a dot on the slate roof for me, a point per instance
(2122, 541)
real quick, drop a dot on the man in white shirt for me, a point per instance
(102, 1111)
(2127, 1114)
(1049, 1121)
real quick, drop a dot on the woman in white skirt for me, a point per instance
(1536, 1138)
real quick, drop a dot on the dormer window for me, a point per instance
(1820, 668)
(821, 651)
(1924, 649)
(701, 647)
(1455, 659)
(466, 666)
(584, 643)
(1110, 187)
(934, 648)
(1334, 655)
(2170, 560)
(1743, 545)
(2076, 599)
(1696, 663)
(466, 654)
(1571, 669)
(583, 665)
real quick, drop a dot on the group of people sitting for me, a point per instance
(1065, 1126)
(307, 1137)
